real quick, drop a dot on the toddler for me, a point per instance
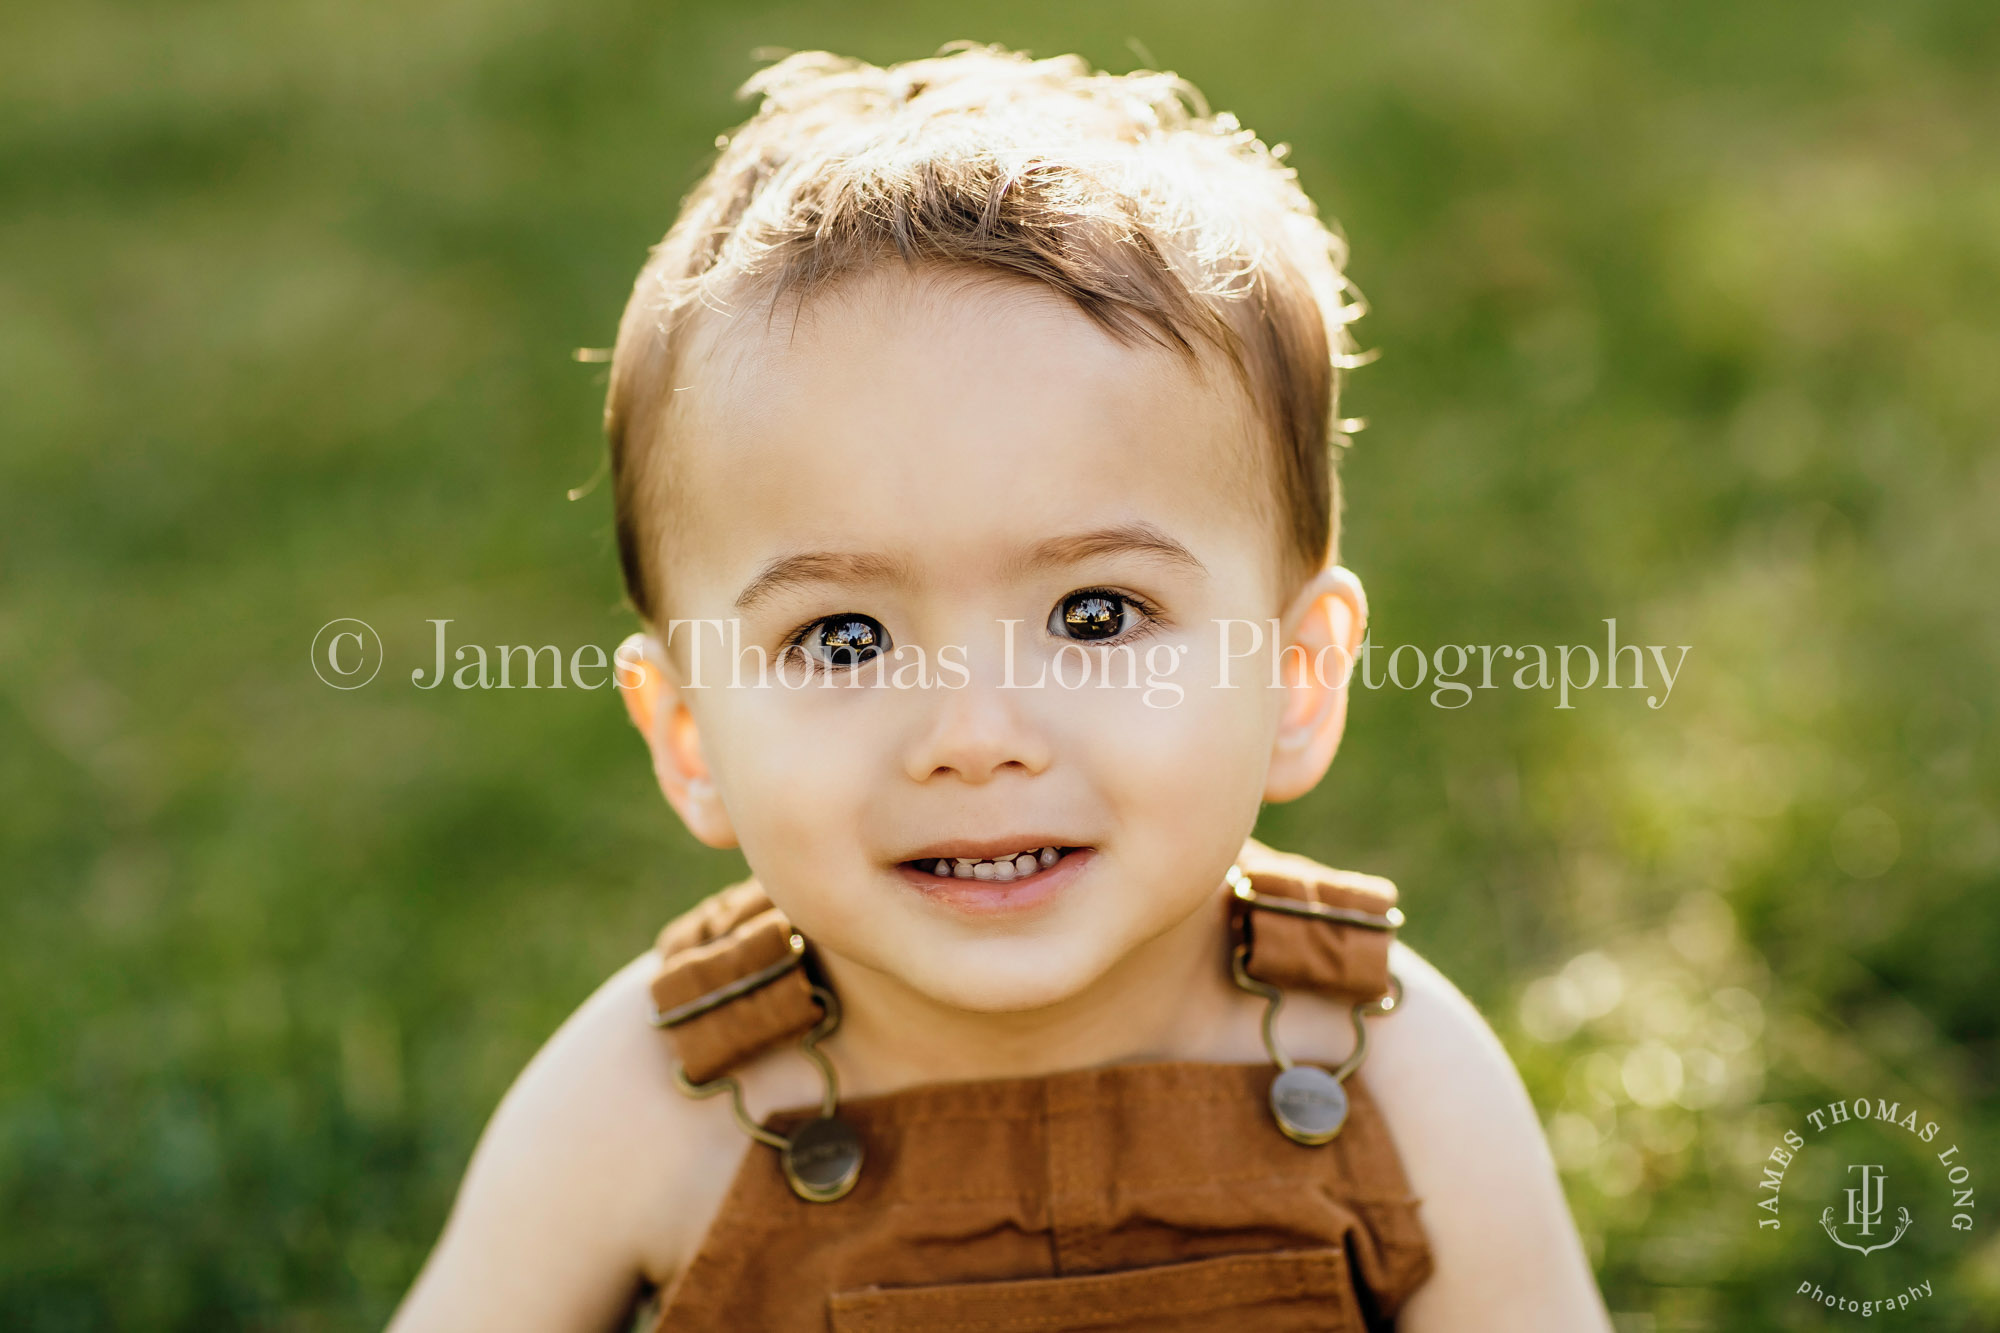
(971, 433)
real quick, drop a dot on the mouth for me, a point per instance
(987, 880)
(989, 863)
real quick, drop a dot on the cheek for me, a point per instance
(793, 768)
(1175, 761)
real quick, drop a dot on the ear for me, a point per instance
(659, 710)
(1325, 623)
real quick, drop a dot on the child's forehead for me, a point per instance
(948, 415)
(898, 322)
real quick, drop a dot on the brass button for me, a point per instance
(1309, 1104)
(823, 1160)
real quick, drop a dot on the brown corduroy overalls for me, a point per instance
(1160, 1196)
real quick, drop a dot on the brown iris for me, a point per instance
(1092, 615)
(847, 640)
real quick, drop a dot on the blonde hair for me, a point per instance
(1161, 222)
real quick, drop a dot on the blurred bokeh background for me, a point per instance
(1686, 318)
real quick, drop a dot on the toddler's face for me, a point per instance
(912, 465)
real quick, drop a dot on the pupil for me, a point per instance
(1092, 617)
(849, 642)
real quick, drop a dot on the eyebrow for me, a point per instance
(808, 568)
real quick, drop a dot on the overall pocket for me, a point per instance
(1280, 1291)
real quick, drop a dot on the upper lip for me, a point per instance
(985, 849)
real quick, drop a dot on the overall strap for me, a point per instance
(1313, 928)
(734, 981)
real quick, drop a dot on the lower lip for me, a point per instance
(989, 897)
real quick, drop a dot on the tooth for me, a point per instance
(1004, 872)
(1025, 864)
(1050, 856)
(983, 870)
(962, 870)
(944, 867)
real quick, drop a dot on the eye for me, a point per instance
(1094, 615)
(843, 640)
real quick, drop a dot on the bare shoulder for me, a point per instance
(590, 1180)
(1506, 1248)
(1436, 1057)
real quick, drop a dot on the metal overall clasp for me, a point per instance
(822, 1159)
(1308, 1102)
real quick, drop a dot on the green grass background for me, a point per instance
(1686, 317)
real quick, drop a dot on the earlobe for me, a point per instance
(661, 715)
(1329, 620)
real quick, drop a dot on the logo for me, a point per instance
(1864, 1211)
(1891, 1191)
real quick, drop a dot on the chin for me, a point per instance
(1002, 986)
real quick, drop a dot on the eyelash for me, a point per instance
(1152, 623)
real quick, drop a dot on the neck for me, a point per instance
(1165, 1000)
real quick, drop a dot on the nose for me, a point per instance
(977, 731)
